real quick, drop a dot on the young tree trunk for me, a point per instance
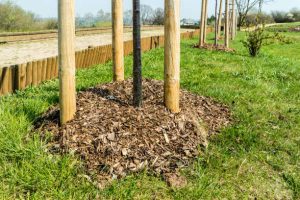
(220, 19)
(137, 64)
(66, 56)
(117, 40)
(226, 42)
(202, 21)
(216, 23)
(172, 55)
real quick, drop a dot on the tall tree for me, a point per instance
(137, 63)
(243, 7)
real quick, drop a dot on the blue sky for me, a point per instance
(189, 8)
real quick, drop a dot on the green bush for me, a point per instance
(259, 37)
(14, 18)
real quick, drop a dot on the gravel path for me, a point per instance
(17, 53)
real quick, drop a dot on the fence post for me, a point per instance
(66, 52)
(226, 42)
(117, 40)
(172, 55)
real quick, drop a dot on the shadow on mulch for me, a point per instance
(115, 139)
(213, 47)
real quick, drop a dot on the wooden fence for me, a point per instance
(20, 76)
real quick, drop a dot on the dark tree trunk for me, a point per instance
(137, 64)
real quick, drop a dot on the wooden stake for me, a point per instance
(117, 40)
(226, 42)
(172, 55)
(233, 27)
(205, 21)
(220, 18)
(216, 23)
(66, 49)
(202, 21)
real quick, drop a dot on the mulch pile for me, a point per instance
(115, 139)
(213, 47)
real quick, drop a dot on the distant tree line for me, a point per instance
(14, 18)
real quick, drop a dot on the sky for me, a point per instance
(189, 8)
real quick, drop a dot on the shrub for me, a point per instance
(259, 37)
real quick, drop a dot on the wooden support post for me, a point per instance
(172, 55)
(66, 52)
(117, 40)
(205, 20)
(220, 18)
(233, 27)
(202, 21)
(216, 23)
(226, 42)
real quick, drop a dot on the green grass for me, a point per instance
(256, 157)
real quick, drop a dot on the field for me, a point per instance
(257, 157)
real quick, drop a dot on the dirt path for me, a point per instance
(17, 53)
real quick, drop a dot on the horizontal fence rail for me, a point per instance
(20, 76)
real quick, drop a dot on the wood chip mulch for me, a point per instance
(115, 139)
(213, 47)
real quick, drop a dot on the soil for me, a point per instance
(218, 47)
(115, 139)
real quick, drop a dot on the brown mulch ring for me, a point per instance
(115, 139)
(213, 47)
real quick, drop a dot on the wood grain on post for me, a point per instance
(220, 18)
(39, 71)
(233, 15)
(202, 21)
(117, 40)
(226, 42)
(34, 73)
(205, 21)
(21, 76)
(44, 70)
(172, 55)
(29, 74)
(5, 80)
(48, 68)
(1, 80)
(66, 52)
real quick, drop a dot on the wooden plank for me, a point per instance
(34, 73)
(39, 71)
(48, 68)
(29, 74)
(77, 59)
(1, 84)
(5, 80)
(56, 66)
(44, 70)
(21, 76)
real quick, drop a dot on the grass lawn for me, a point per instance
(256, 157)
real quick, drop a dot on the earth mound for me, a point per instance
(115, 139)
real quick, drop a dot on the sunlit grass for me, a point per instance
(256, 157)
